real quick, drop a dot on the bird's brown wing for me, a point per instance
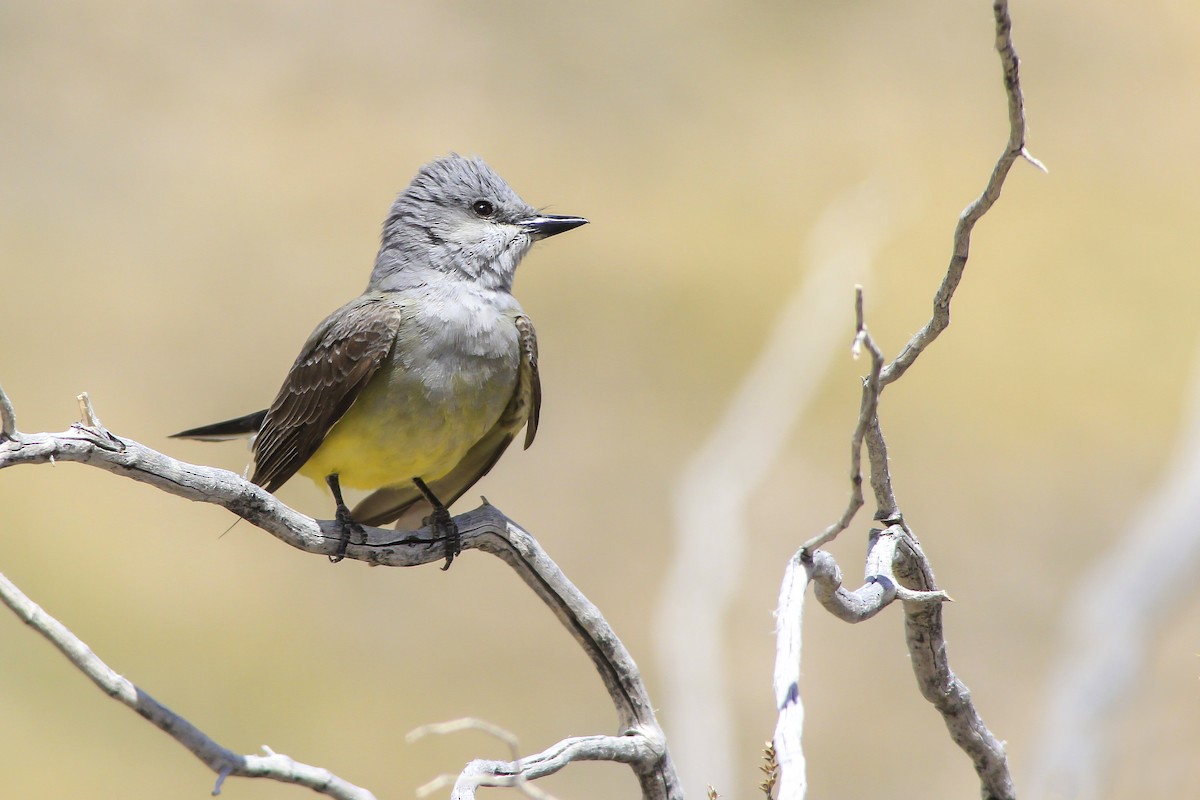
(406, 506)
(529, 373)
(337, 361)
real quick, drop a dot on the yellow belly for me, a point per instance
(402, 427)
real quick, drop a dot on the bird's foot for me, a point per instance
(349, 528)
(444, 528)
(442, 523)
(344, 520)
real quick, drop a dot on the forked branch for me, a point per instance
(913, 572)
(640, 742)
(220, 760)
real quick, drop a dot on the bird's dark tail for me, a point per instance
(229, 429)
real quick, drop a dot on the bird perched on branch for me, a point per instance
(415, 388)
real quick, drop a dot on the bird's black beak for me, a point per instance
(544, 225)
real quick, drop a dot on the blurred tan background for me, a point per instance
(188, 188)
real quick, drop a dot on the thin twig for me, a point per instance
(867, 412)
(87, 414)
(631, 749)
(473, 724)
(466, 724)
(219, 759)
(1014, 149)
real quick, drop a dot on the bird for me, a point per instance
(414, 389)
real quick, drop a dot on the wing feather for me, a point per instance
(337, 361)
(529, 371)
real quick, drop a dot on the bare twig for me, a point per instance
(939, 685)
(473, 723)
(220, 760)
(484, 528)
(87, 414)
(466, 724)
(981, 205)
(641, 732)
(521, 783)
(821, 570)
(632, 749)
(868, 409)
(915, 582)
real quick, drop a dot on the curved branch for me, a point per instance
(220, 760)
(867, 414)
(484, 528)
(1014, 149)
(923, 619)
(821, 570)
(939, 685)
(634, 748)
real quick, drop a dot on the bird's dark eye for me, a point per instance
(483, 208)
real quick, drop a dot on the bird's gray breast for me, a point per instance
(461, 342)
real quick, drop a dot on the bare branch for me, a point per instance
(915, 583)
(896, 569)
(821, 570)
(886, 508)
(219, 759)
(792, 778)
(634, 748)
(868, 409)
(881, 585)
(939, 685)
(923, 621)
(484, 528)
(1014, 149)
(868, 427)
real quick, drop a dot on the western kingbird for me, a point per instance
(415, 388)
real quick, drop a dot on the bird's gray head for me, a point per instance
(460, 218)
